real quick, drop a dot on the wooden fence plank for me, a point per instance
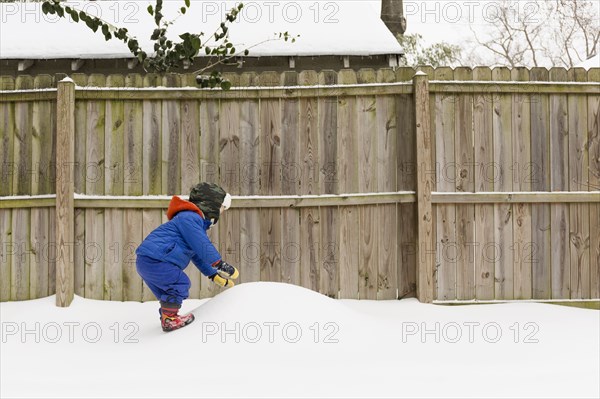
(249, 185)
(290, 184)
(387, 135)
(42, 156)
(367, 182)
(209, 141)
(95, 184)
(7, 136)
(171, 141)
(132, 238)
(6, 254)
(38, 241)
(465, 182)
(190, 170)
(484, 214)
(151, 219)
(329, 184)
(23, 139)
(132, 141)
(348, 183)
(20, 273)
(446, 176)
(132, 185)
(229, 154)
(521, 176)
(51, 251)
(152, 143)
(309, 217)
(593, 116)
(270, 150)
(209, 171)
(114, 159)
(559, 175)
(114, 250)
(80, 185)
(114, 141)
(540, 181)
(503, 213)
(406, 180)
(579, 214)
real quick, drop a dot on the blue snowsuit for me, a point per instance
(167, 251)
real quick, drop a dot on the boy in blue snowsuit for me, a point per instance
(167, 251)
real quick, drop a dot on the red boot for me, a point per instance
(169, 318)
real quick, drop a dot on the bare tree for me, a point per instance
(539, 33)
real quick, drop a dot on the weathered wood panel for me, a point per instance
(190, 170)
(579, 214)
(559, 176)
(503, 213)
(171, 141)
(309, 217)
(329, 184)
(290, 183)
(132, 185)
(465, 182)
(521, 141)
(249, 185)
(593, 116)
(94, 172)
(444, 132)
(367, 182)
(43, 148)
(387, 135)
(347, 171)
(23, 140)
(484, 182)
(540, 181)
(6, 253)
(406, 180)
(270, 153)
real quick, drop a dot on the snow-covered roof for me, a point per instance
(325, 28)
(593, 62)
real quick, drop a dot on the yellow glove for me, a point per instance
(219, 280)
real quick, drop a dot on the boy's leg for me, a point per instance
(171, 286)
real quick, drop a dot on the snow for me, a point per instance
(325, 28)
(260, 340)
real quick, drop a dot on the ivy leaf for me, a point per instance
(225, 85)
(207, 49)
(60, 11)
(155, 34)
(46, 8)
(150, 10)
(246, 52)
(187, 3)
(183, 10)
(75, 16)
(195, 42)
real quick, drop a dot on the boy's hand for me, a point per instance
(226, 270)
(219, 280)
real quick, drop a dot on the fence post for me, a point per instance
(425, 181)
(65, 131)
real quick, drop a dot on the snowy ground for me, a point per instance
(277, 340)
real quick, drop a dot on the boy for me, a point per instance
(167, 251)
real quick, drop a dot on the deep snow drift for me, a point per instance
(278, 340)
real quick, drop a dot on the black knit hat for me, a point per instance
(208, 197)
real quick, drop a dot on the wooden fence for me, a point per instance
(462, 184)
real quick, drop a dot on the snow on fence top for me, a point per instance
(342, 28)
